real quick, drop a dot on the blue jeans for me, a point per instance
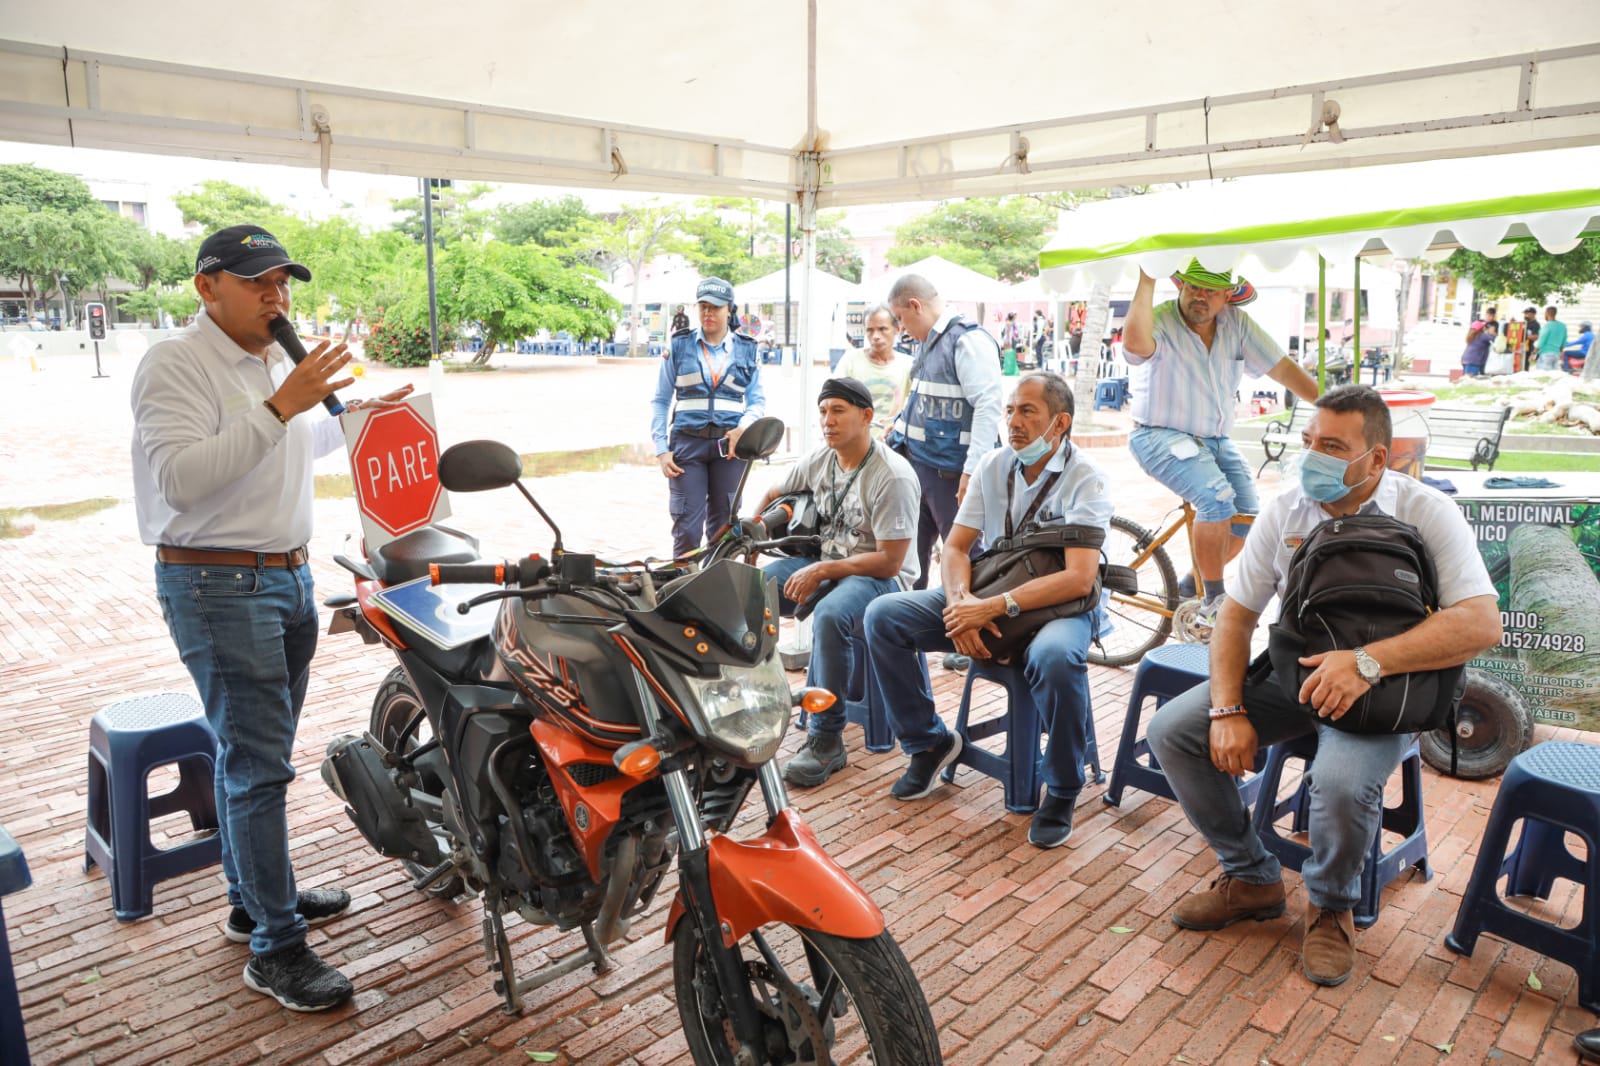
(1216, 479)
(1346, 781)
(835, 627)
(247, 637)
(901, 626)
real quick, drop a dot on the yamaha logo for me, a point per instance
(580, 814)
(750, 641)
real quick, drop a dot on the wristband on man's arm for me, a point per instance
(1231, 711)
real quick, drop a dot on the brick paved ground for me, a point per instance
(1015, 948)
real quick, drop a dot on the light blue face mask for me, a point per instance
(1034, 450)
(1322, 476)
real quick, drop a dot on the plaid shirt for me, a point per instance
(1185, 387)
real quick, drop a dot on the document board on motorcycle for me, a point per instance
(431, 610)
(394, 457)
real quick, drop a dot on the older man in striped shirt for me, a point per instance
(1188, 358)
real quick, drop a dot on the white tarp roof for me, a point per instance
(825, 288)
(951, 280)
(1268, 223)
(897, 101)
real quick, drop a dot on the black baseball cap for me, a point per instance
(245, 252)
(849, 390)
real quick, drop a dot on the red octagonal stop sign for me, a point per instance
(394, 464)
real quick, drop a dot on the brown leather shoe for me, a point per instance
(1228, 901)
(1329, 952)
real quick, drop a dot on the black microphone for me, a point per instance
(283, 332)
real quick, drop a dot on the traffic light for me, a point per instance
(97, 321)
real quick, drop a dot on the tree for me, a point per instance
(1000, 237)
(456, 215)
(632, 236)
(217, 204)
(541, 222)
(511, 290)
(1529, 272)
(38, 189)
(836, 251)
(723, 235)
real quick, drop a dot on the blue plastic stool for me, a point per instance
(857, 708)
(14, 877)
(1108, 393)
(1553, 789)
(126, 741)
(1164, 672)
(1381, 867)
(1022, 727)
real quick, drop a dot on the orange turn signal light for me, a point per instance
(641, 762)
(817, 700)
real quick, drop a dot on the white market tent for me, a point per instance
(796, 96)
(1273, 223)
(952, 281)
(825, 289)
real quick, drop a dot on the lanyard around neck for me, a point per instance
(836, 496)
(1038, 500)
(716, 375)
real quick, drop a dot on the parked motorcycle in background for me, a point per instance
(611, 719)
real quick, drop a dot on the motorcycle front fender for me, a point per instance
(783, 876)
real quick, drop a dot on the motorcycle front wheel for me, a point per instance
(394, 707)
(876, 1011)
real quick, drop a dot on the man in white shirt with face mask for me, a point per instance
(1042, 480)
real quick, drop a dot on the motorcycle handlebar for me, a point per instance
(504, 573)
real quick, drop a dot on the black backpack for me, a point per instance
(1353, 581)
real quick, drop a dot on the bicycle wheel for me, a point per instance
(1132, 623)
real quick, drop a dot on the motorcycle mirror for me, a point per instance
(760, 439)
(479, 465)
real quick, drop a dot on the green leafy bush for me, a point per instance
(398, 342)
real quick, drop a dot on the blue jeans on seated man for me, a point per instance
(835, 622)
(1346, 782)
(899, 627)
(247, 637)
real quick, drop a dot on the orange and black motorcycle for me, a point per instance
(611, 719)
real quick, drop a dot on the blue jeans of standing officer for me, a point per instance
(899, 627)
(247, 637)
(836, 628)
(701, 498)
(1346, 781)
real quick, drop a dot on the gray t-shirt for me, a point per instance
(881, 503)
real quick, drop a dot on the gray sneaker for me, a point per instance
(818, 758)
(298, 979)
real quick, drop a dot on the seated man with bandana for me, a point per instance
(868, 501)
(1188, 358)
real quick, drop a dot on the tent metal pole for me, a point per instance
(1322, 324)
(1356, 318)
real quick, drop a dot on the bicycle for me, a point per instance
(1134, 623)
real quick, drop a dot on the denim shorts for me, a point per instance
(1209, 472)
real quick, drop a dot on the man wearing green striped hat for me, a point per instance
(1188, 357)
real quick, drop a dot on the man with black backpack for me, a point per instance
(1211, 734)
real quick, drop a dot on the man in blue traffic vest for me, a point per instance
(952, 414)
(711, 383)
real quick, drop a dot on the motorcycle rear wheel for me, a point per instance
(393, 707)
(880, 1014)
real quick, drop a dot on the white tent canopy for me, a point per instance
(825, 289)
(1262, 224)
(803, 100)
(951, 280)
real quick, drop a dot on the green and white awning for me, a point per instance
(1269, 223)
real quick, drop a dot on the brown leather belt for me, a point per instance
(225, 557)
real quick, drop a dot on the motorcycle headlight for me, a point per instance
(745, 710)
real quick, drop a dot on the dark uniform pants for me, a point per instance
(701, 498)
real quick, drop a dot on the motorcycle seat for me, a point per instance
(408, 557)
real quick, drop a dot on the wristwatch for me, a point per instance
(1012, 610)
(1367, 667)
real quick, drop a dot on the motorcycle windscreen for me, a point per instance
(726, 615)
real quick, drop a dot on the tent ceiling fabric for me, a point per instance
(1270, 223)
(713, 97)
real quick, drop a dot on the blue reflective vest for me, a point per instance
(936, 422)
(696, 403)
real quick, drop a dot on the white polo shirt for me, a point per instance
(1289, 518)
(1080, 496)
(212, 467)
